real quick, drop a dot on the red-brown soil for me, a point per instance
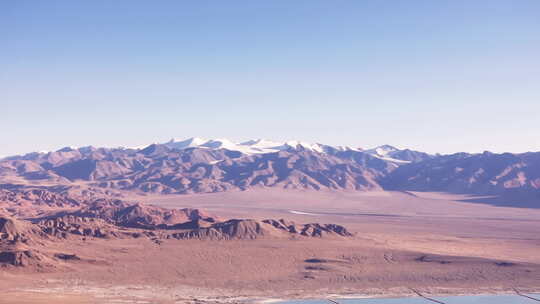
(428, 241)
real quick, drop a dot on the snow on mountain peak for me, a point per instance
(255, 146)
(258, 146)
(186, 143)
(261, 143)
(384, 150)
(220, 143)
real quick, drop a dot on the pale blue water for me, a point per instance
(495, 299)
(490, 299)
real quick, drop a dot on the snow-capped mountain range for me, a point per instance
(261, 146)
(198, 165)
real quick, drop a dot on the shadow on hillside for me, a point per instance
(517, 201)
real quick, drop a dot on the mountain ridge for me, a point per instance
(206, 166)
(253, 146)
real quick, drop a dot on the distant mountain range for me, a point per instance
(202, 166)
(263, 146)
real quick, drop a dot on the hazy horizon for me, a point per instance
(439, 77)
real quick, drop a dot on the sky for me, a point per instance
(436, 76)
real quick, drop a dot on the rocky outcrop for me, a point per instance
(136, 215)
(232, 229)
(20, 258)
(252, 229)
(14, 231)
(106, 218)
(15, 238)
(63, 226)
(37, 197)
(311, 230)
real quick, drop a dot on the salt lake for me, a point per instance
(476, 299)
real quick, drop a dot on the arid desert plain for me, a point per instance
(435, 243)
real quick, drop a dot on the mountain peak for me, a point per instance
(67, 149)
(261, 146)
(186, 143)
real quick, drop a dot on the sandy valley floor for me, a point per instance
(427, 241)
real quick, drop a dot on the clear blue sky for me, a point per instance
(438, 76)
